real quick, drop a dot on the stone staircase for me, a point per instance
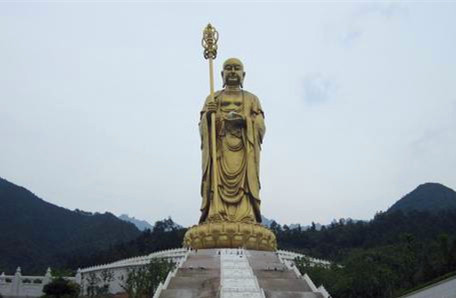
(276, 280)
(237, 276)
(232, 273)
(198, 277)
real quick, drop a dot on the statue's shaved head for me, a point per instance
(231, 61)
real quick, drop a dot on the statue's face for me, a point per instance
(233, 72)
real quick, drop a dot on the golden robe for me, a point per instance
(238, 160)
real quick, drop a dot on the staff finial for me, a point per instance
(209, 42)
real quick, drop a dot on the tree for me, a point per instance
(98, 285)
(92, 284)
(142, 282)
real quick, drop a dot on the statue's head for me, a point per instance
(233, 73)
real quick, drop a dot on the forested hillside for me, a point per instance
(414, 242)
(35, 234)
(431, 197)
(165, 235)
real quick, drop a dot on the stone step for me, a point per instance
(264, 260)
(275, 274)
(195, 282)
(190, 272)
(291, 294)
(283, 284)
(188, 293)
(265, 265)
(206, 259)
(205, 252)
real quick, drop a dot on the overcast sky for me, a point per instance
(99, 102)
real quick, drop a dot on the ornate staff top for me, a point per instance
(209, 42)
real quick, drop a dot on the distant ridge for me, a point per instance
(432, 197)
(35, 234)
(140, 224)
(266, 221)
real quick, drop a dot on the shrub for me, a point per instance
(60, 287)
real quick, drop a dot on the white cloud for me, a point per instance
(318, 89)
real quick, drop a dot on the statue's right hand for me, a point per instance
(211, 107)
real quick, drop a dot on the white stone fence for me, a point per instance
(112, 275)
(290, 257)
(109, 275)
(19, 285)
(174, 255)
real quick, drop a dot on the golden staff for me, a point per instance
(209, 42)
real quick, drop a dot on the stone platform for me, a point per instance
(236, 273)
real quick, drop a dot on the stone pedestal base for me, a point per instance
(230, 235)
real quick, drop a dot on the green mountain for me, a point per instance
(35, 234)
(432, 197)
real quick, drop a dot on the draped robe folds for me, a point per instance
(238, 161)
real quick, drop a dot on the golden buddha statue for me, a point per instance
(239, 132)
(230, 210)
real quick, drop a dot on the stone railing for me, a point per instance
(287, 258)
(164, 285)
(174, 255)
(19, 285)
(118, 271)
(291, 256)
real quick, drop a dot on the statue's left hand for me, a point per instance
(233, 116)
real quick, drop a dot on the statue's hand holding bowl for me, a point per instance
(235, 118)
